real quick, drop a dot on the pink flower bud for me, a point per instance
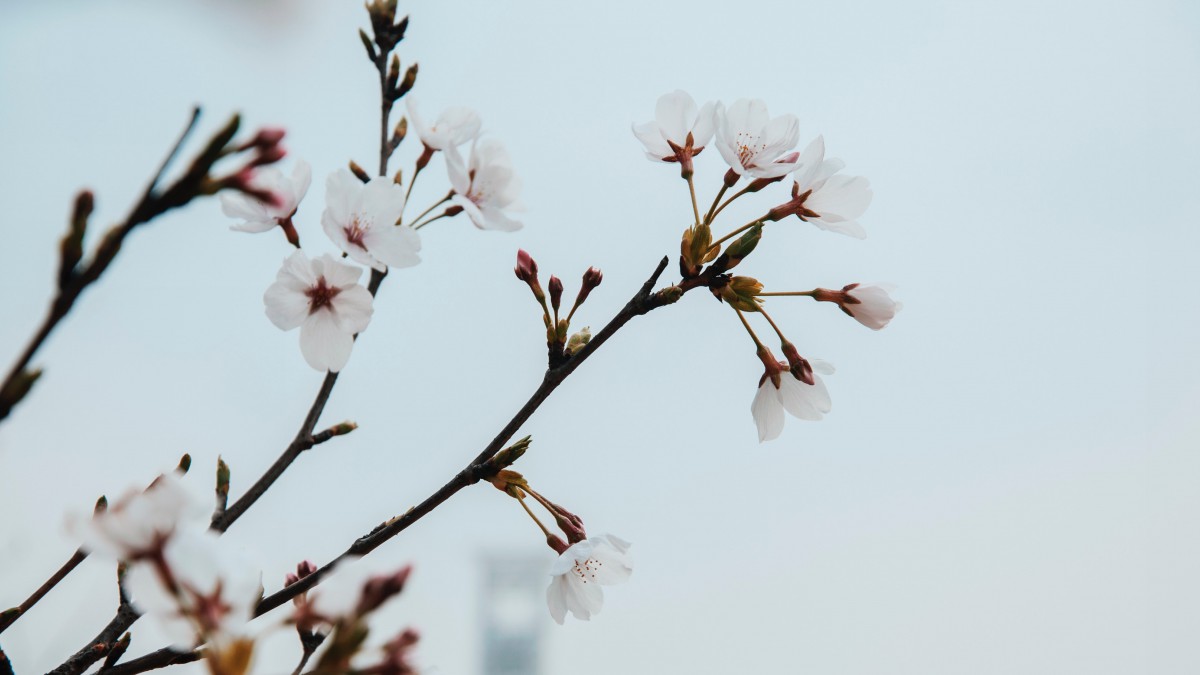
(526, 268)
(556, 291)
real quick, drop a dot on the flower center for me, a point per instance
(587, 569)
(355, 232)
(321, 295)
(747, 147)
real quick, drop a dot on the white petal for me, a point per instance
(286, 308)
(324, 345)
(395, 246)
(798, 398)
(656, 148)
(706, 124)
(821, 366)
(495, 219)
(382, 202)
(301, 179)
(767, 412)
(337, 273)
(850, 228)
(457, 171)
(352, 309)
(556, 598)
(846, 197)
(674, 114)
(342, 193)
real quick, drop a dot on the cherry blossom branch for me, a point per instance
(5, 665)
(10, 616)
(74, 277)
(641, 303)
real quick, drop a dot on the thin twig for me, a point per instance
(7, 619)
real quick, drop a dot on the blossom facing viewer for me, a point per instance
(361, 220)
(580, 571)
(260, 216)
(755, 144)
(780, 391)
(487, 186)
(823, 197)
(321, 297)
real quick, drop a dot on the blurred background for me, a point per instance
(1006, 484)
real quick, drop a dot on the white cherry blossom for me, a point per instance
(487, 186)
(675, 119)
(142, 521)
(361, 220)
(755, 144)
(259, 216)
(801, 400)
(875, 307)
(321, 297)
(823, 197)
(453, 127)
(200, 589)
(581, 570)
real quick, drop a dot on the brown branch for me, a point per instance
(150, 206)
(9, 617)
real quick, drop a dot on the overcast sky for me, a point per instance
(1006, 484)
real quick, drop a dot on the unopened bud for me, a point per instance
(268, 137)
(731, 178)
(800, 368)
(591, 279)
(508, 456)
(741, 293)
(185, 463)
(222, 479)
(101, 505)
(578, 341)
(556, 291)
(668, 295)
(410, 78)
(526, 268)
(343, 428)
(359, 172)
(738, 250)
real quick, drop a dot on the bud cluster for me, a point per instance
(559, 345)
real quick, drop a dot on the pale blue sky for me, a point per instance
(1006, 483)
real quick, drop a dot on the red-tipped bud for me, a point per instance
(380, 589)
(555, 542)
(591, 279)
(268, 136)
(269, 155)
(556, 291)
(526, 268)
(731, 178)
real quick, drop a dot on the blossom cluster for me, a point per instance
(364, 218)
(760, 150)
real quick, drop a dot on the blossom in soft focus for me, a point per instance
(753, 143)
(142, 521)
(260, 216)
(198, 590)
(487, 186)
(321, 297)
(581, 570)
(361, 220)
(802, 400)
(825, 198)
(453, 127)
(677, 125)
(874, 307)
(355, 587)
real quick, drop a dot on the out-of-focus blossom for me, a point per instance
(261, 216)
(802, 400)
(353, 589)
(825, 198)
(198, 590)
(453, 127)
(142, 521)
(487, 186)
(678, 131)
(321, 297)
(361, 220)
(753, 143)
(581, 570)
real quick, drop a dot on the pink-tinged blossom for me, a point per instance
(753, 143)
(801, 400)
(321, 297)
(581, 570)
(825, 198)
(198, 590)
(487, 186)
(260, 216)
(141, 522)
(361, 220)
(678, 131)
(452, 128)
(870, 304)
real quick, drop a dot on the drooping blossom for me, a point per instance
(870, 304)
(198, 590)
(321, 297)
(825, 198)
(581, 570)
(141, 522)
(678, 131)
(453, 127)
(261, 216)
(754, 143)
(800, 399)
(487, 186)
(361, 220)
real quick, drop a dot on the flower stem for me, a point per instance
(783, 293)
(729, 201)
(711, 210)
(738, 231)
(535, 518)
(750, 330)
(433, 205)
(438, 216)
(692, 190)
(772, 322)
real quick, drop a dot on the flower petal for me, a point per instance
(323, 343)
